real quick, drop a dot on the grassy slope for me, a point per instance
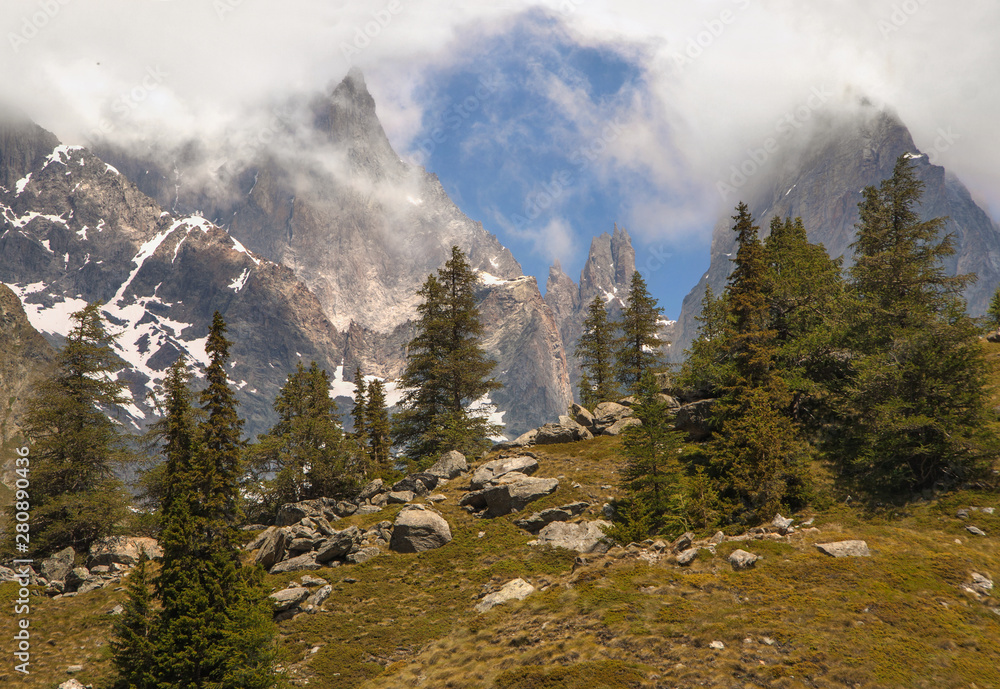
(898, 619)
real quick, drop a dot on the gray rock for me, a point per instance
(981, 584)
(607, 414)
(538, 520)
(306, 561)
(308, 580)
(436, 497)
(369, 509)
(686, 557)
(338, 545)
(581, 415)
(975, 530)
(451, 465)
(717, 646)
(516, 492)
(76, 578)
(74, 683)
(962, 513)
(988, 510)
(400, 497)
(380, 500)
(301, 545)
(583, 537)
(319, 596)
(741, 559)
(56, 567)
(322, 526)
(553, 433)
(122, 551)
(294, 512)
(718, 538)
(475, 499)
(420, 483)
(272, 549)
(363, 555)
(371, 489)
(525, 439)
(286, 599)
(90, 585)
(663, 382)
(781, 524)
(845, 549)
(518, 589)
(695, 419)
(345, 508)
(683, 542)
(498, 467)
(418, 529)
(621, 424)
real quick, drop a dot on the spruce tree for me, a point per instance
(446, 369)
(993, 311)
(595, 352)
(379, 430)
(638, 349)
(707, 367)
(133, 648)
(756, 450)
(915, 405)
(358, 410)
(76, 496)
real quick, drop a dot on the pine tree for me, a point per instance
(756, 451)
(379, 430)
(707, 367)
(993, 311)
(358, 410)
(595, 351)
(915, 404)
(305, 453)
(133, 642)
(446, 369)
(639, 348)
(76, 496)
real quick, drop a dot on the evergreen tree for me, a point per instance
(707, 368)
(756, 450)
(446, 369)
(915, 404)
(76, 497)
(595, 351)
(133, 643)
(377, 422)
(993, 311)
(305, 454)
(358, 410)
(639, 348)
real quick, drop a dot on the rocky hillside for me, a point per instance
(24, 357)
(74, 230)
(818, 174)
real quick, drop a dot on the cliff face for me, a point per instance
(74, 230)
(25, 356)
(820, 176)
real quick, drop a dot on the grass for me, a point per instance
(798, 619)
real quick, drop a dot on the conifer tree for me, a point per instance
(133, 649)
(993, 311)
(446, 369)
(639, 348)
(76, 497)
(707, 367)
(756, 450)
(358, 410)
(595, 351)
(377, 422)
(915, 404)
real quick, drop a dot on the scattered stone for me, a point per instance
(583, 537)
(962, 514)
(566, 431)
(420, 483)
(493, 470)
(371, 489)
(518, 589)
(607, 414)
(318, 597)
(294, 512)
(286, 599)
(525, 439)
(74, 683)
(417, 529)
(451, 465)
(59, 565)
(90, 585)
(608, 511)
(581, 415)
(686, 557)
(618, 426)
(981, 584)
(338, 545)
(309, 580)
(782, 524)
(400, 497)
(741, 559)
(301, 545)
(515, 492)
(718, 538)
(363, 555)
(988, 510)
(683, 542)
(117, 610)
(538, 520)
(369, 509)
(717, 645)
(768, 640)
(122, 551)
(845, 549)
(306, 561)
(436, 497)
(975, 530)
(74, 668)
(272, 547)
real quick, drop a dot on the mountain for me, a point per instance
(819, 176)
(74, 230)
(363, 229)
(24, 356)
(606, 274)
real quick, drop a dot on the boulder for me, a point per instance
(606, 414)
(845, 549)
(122, 551)
(975, 530)
(781, 524)
(308, 580)
(419, 483)
(272, 548)
(621, 424)
(76, 578)
(981, 584)
(741, 559)
(400, 497)
(344, 508)
(525, 439)
(566, 431)
(583, 537)
(451, 465)
(686, 557)
(539, 520)
(286, 599)
(475, 499)
(498, 467)
(518, 589)
(338, 545)
(370, 509)
(683, 542)
(581, 415)
(363, 555)
(671, 402)
(321, 525)
(74, 683)
(418, 529)
(301, 545)
(294, 512)
(306, 561)
(56, 568)
(695, 419)
(319, 596)
(372, 488)
(515, 492)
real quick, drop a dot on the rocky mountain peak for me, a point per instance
(23, 144)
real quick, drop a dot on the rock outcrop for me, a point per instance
(417, 529)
